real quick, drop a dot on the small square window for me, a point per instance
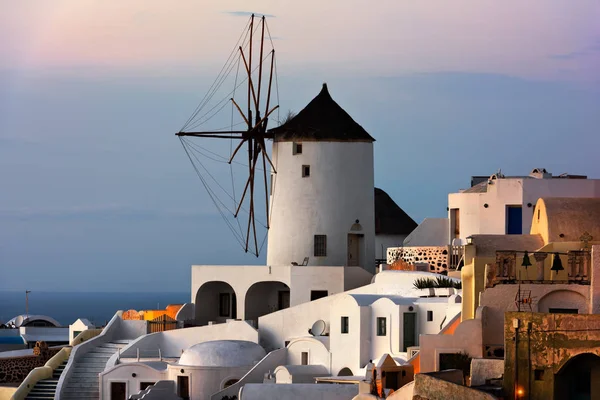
(381, 326)
(224, 304)
(305, 171)
(538, 374)
(297, 148)
(429, 316)
(305, 358)
(320, 245)
(344, 324)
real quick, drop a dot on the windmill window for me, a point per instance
(305, 171)
(320, 245)
(429, 316)
(297, 148)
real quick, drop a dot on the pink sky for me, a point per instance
(535, 39)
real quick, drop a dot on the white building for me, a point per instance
(386, 316)
(203, 369)
(383, 318)
(504, 204)
(82, 324)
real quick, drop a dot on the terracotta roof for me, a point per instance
(390, 219)
(322, 120)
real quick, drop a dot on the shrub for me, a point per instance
(424, 283)
(443, 282)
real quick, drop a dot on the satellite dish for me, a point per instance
(318, 328)
(19, 321)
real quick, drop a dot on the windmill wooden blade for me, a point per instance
(254, 136)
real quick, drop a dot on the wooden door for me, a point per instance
(183, 387)
(409, 330)
(118, 390)
(353, 250)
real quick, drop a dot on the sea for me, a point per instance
(97, 307)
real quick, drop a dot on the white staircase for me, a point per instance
(46, 388)
(83, 383)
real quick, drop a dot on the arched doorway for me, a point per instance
(563, 301)
(578, 378)
(345, 372)
(266, 297)
(215, 301)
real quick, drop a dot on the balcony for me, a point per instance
(547, 265)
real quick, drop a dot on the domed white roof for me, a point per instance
(222, 353)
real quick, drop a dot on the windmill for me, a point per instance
(255, 110)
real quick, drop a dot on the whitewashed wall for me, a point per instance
(318, 354)
(204, 381)
(123, 373)
(300, 279)
(352, 349)
(339, 191)
(476, 219)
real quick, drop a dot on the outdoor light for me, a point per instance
(469, 239)
(526, 263)
(556, 263)
(520, 392)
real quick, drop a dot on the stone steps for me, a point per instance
(46, 388)
(83, 383)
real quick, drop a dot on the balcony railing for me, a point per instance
(505, 269)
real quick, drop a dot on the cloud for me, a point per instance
(247, 14)
(586, 51)
(99, 212)
(568, 56)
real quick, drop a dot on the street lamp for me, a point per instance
(27, 303)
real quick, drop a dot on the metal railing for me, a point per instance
(152, 354)
(506, 268)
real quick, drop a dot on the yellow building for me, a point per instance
(560, 225)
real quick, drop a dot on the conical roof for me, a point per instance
(390, 219)
(322, 120)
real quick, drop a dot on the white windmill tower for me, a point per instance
(322, 196)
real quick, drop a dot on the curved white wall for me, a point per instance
(339, 191)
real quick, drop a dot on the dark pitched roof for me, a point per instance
(322, 120)
(390, 219)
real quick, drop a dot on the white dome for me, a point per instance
(222, 353)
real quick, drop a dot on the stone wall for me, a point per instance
(545, 344)
(442, 385)
(436, 256)
(14, 370)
